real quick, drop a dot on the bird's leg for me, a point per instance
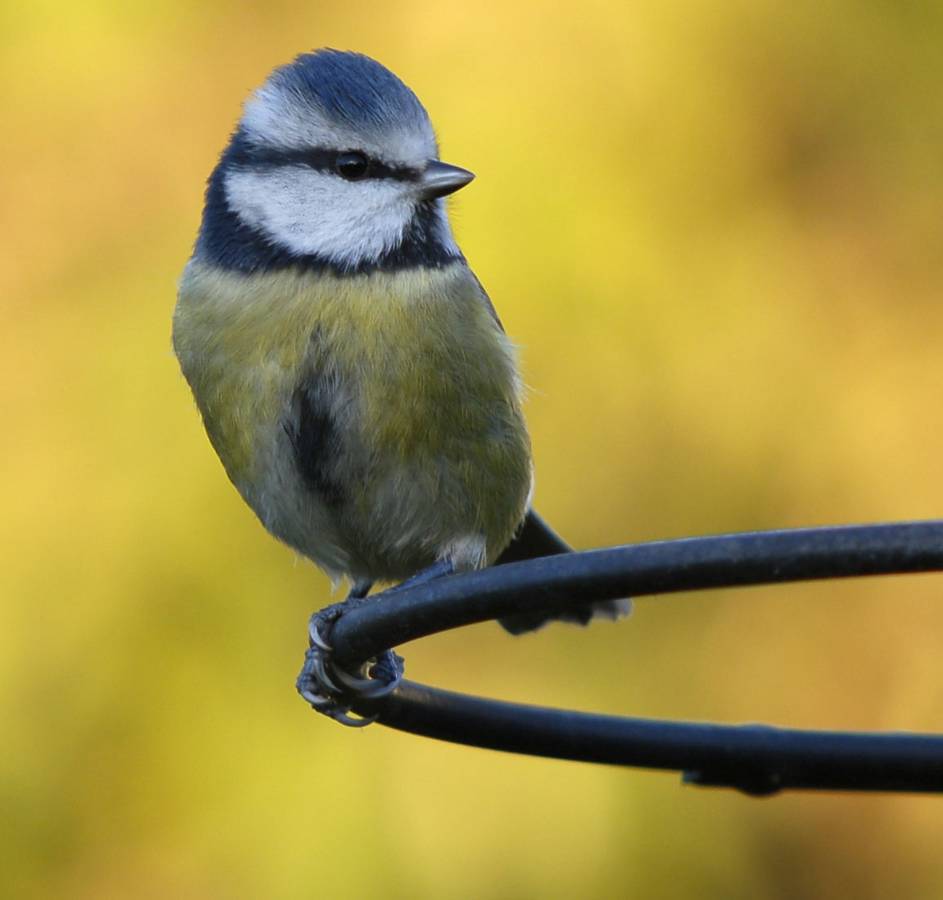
(329, 688)
(438, 569)
(359, 589)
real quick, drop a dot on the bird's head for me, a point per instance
(334, 165)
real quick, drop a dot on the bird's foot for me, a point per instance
(331, 689)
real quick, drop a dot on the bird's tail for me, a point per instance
(536, 539)
(521, 623)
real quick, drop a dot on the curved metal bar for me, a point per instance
(757, 759)
(661, 567)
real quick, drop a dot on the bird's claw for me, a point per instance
(314, 634)
(332, 690)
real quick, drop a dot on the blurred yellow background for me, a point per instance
(714, 230)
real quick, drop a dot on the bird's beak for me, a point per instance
(439, 179)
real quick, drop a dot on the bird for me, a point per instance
(350, 369)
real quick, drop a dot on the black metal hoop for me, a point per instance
(756, 759)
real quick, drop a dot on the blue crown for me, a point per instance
(352, 88)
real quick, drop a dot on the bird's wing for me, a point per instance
(487, 301)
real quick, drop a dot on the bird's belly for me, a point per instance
(432, 457)
(448, 471)
(439, 451)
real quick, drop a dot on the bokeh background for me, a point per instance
(715, 231)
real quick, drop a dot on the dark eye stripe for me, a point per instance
(319, 159)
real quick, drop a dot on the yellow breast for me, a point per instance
(435, 377)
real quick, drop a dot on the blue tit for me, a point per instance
(350, 370)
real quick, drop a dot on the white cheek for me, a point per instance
(309, 212)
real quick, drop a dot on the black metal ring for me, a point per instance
(756, 759)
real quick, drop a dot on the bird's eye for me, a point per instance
(351, 165)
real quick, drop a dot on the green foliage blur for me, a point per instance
(715, 232)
